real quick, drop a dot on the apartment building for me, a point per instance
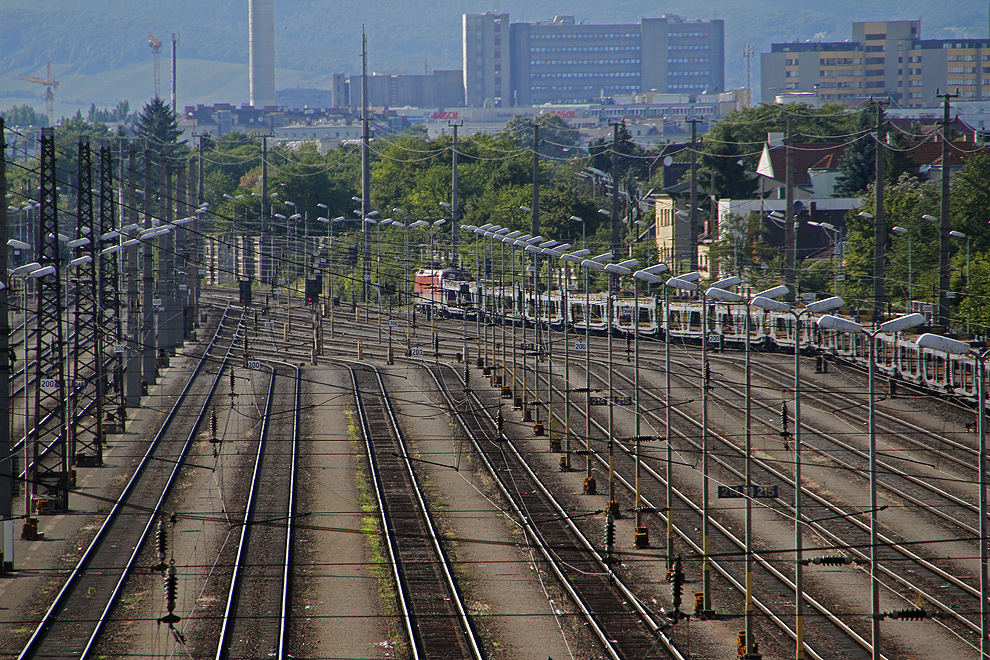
(883, 58)
(563, 61)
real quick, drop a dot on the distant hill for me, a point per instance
(99, 50)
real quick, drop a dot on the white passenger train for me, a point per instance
(897, 356)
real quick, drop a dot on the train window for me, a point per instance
(728, 324)
(596, 313)
(695, 321)
(577, 313)
(645, 316)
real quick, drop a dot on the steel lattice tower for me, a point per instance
(86, 391)
(109, 293)
(49, 474)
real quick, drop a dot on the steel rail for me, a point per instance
(398, 570)
(223, 643)
(586, 611)
(51, 615)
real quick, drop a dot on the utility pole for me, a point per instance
(49, 476)
(536, 178)
(453, 195)
(149, 373)
(86, 402)
(879, 232)
(790, 228)
(693, 211)
(175, 43)
(133, 385)
(6, 460)
(944, 228)
(365, 171)
(616, 220)
(109, 290)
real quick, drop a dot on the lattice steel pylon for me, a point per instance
(86, 390)
(109, 294)
(49, 473)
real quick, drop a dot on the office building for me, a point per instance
(485, 59)
(883, 58)
(563, 61)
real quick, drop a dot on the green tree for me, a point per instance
(159, 126)
(557, 139)
(741, 135)
(858, 165)
(632, 157)
(22, 116)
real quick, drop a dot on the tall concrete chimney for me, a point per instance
(261, 48)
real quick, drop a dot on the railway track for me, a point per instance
(255, 620)
(843, 530)
(434, 615)
(72, 623)
(620, 621)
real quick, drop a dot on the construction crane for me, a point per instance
(50, 86)
(156, 48)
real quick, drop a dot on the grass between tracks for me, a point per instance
(371, 528)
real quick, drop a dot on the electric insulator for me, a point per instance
(609, 532)
(162, 539)
(467, 374)
(708, 375)
(784, 422)
(832, 561)
(499, 422)
(678, 583)
(171, 595)
(231, 380)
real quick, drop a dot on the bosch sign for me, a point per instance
(444, 115)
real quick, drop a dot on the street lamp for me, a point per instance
(593, 263)
(903, 230)
(650, 275)
(954, 346)
(765, 302)
(686, 282)
(838, 324)
(584, 237)
(959, 234)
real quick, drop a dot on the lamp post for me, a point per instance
(584, 236)
(832, 233)
(764, 301)
(594, 263)
(509, 239)
(686, 282)
(910, 297)
(897, 324)
(536, 249)
(650, 275)
(959, 234)
(614, 272)
(954, 346)
(413, 225)
(555, 250)
(576, 258)
(524, 242)
(728, 297)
